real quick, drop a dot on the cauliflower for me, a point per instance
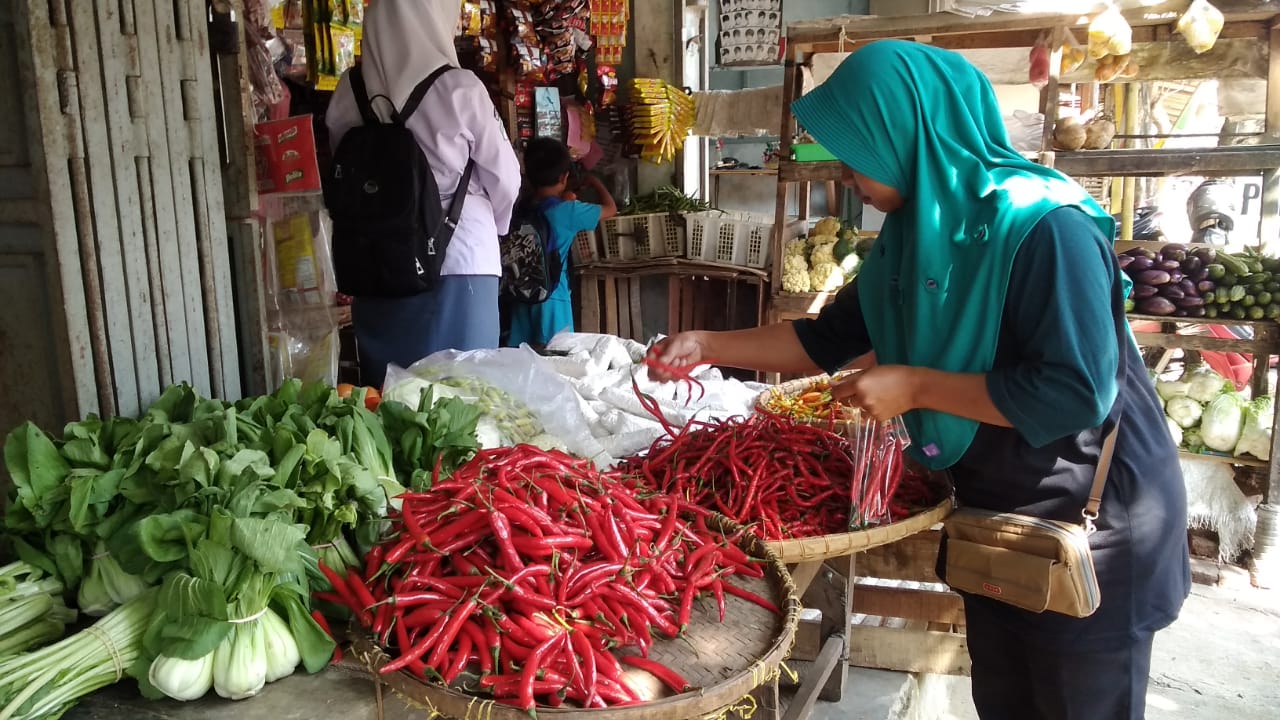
(795, 274)
(794, 248)
(827, 226)
(822, 253)
(826, 277)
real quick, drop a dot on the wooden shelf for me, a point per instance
(1237, 159)
(792, 171)
(1260, 324)
(731, 173)
(1249, 461)
(795, 304)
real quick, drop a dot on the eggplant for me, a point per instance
(1156, 306)
(1189, 302)
(1174, 251)
(1176, 276)
(1141, 263)
(1196, 312)
(1152, 277)
(1169, 265)
(1207, 255)
(1181, 313)
(1124, 260)
(1141, 252)
(1191, 264)
(1198, 275)
(1188, 287)
(1173, 292)
(1205, 286)
(1144, 291)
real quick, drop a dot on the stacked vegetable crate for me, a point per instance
(650, 235)
(733, 238)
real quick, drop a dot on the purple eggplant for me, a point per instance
(1144, 291)
(1188, 287)
(1195, 312)
(1205, 286)
(1141, 263)
(1152, 277)
(1181, 313)
(1176, 276)
(1198, 275)
(1141, 252)
(1156, 306)
(1171, 291)
(1169, 265)
(1207, 255)
(1189, 302)
(1191, 264)
(1124, 260)
(1174, 251)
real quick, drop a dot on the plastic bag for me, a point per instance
(524, 376)
(1038, 62)
(1073, 54)
(1200, 25)
(1109, 34)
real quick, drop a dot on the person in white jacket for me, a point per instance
(404, 42)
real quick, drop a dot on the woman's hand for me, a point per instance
(883, 392)
(682, 350)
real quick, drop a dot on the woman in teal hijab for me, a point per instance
(993, 304)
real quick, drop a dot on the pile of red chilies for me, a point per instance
(526, 567)
(785, 479)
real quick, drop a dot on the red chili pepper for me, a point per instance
(324, 625)
(669, 677)
(751, 597)
(529, 673)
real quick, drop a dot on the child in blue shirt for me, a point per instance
(547, 165)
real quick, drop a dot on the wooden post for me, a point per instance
(1269, 227)
(1049, 96)
(1131, 106)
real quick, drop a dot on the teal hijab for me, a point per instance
(926, 122)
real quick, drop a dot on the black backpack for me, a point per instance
(531, 264)
(390, 233)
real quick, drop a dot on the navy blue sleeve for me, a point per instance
(839, 333)
(1060, 312)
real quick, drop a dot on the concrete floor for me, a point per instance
(1220, 661)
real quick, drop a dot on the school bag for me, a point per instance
(390, 232)
(531, 264)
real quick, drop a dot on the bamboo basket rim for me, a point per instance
(822, 547)
(798, 387)
(714, 701)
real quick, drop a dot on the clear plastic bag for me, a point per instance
(1038, 62)
(1073, 54)
(1110, 34)
(879, 449)
(1200, 25)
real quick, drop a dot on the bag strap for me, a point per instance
(1090, 512)
(419, 92)
(449, 223)
(361, 93)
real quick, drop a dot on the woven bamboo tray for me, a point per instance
(842, 544)
(801, 386)
(726, 662)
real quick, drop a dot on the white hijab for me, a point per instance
(404, 42)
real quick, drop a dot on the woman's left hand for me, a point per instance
(883, 392)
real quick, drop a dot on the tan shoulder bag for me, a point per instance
(1025, 561)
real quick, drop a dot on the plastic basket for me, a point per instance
(703, 229)
(653, 235)
(586, 247)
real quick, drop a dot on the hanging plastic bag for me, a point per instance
(1200, 25)
(1073, 54)
(1038, 62)
(1109, 34)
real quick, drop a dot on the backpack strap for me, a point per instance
(419, 92)
(444, 233)
(361, 94)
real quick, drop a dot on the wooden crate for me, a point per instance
(911, 626)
